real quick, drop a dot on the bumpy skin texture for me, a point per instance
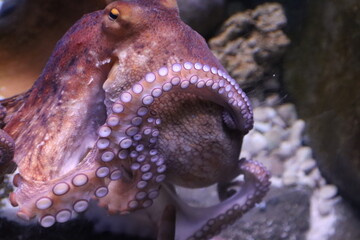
(131, 100)
(7, 147)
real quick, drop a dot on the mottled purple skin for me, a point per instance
(130, 100)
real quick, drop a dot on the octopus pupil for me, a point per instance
(112, 16)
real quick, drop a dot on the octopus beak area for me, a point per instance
(184, 120)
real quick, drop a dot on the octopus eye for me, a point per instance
(113, 14)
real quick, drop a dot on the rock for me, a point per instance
(284, 214)
(269, 19)
(325, 208)
(276, 182)
(333, 219)
(245, 154)
(286, 149)
(279, 122)
(347, 223)
(287, 112)
(254, 142)
(307, 165)
(262, 127)
(307, 181)
(264, 114)
(274, 137)
(271, 162)
(327, 192)
(289, 178)
(321, 74)
(316, 176)
(296, 131)
(303, 153)
(274, 164)
(251, 43)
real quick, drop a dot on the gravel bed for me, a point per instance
(277, 141)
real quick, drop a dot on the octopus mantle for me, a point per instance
(130, 103)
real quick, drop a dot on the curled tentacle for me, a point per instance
(204, 223)
(129, 138)
(62, 198)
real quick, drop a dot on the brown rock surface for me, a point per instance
(284, 215)
(251, 43)
(322, 74)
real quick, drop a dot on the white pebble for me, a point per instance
(262, 127)
(276, 182)
(291, 165)
(325, 208)
(274, 137)
(327, 191)
(289, 179)
(254, 142)
(316, 176)
(245, 154)
(279, 122)
(303, 153)
(275, 165)
(286, 149)
(287, 112)
(307, 165)
(297, 130)
(264, 114)
(307, 181)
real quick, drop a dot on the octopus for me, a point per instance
(130, 104)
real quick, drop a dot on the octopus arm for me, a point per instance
(204, 223)
(58, 200)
